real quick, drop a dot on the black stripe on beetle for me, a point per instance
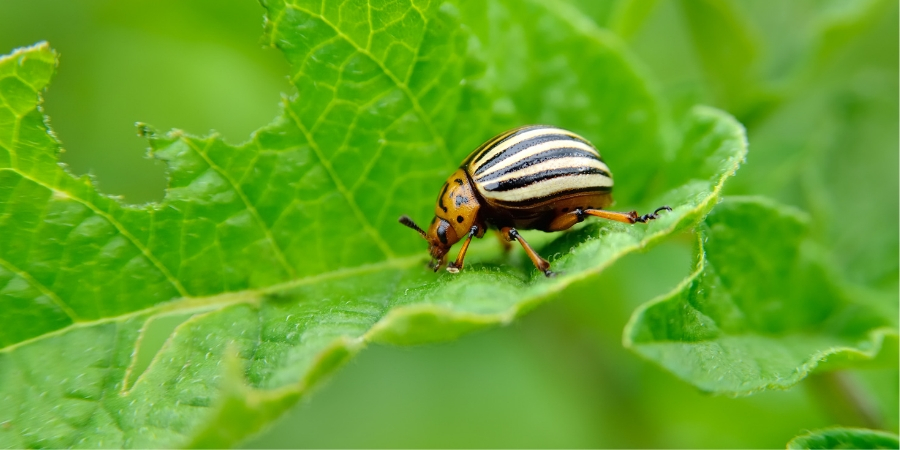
(551, 198)
(537, 159)
(519, 147)
(524, 181)
(499, 140)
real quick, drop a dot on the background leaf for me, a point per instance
(277, 259)
(845, 438)
(762, 309)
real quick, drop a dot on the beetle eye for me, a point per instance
(442, 231)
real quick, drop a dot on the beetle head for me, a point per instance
(440, 237)
(455, 212)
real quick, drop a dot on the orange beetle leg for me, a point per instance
(457, 265)
(566, 221)
(629, 217)
(539, 262)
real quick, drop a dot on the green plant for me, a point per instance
(276, 260)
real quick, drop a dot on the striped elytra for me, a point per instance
(532, 177)
(537, 164)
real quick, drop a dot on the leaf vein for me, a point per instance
(115, 223)
(62, 305)
(417, 107)
(371, 25)
(376, 237)
(374, 159)
(279, 254)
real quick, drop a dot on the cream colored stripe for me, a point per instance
(489, 144)
(515, 140)
(536, 149)
(549, 187)
(553, 164)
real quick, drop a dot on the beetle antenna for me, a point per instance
(405, 220)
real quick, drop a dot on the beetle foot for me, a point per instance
(550, 274)
(452, 268)
(654, 215)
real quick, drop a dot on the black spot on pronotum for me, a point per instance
(459, 219)
(458, 181)
(442, 231)
(459, 200)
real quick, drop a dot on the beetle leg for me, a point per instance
(541, 263)
(566, 221)
(629, 217)
(457, 265)
(507, 246)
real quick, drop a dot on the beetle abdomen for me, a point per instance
(536, 165)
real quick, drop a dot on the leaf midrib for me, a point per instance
(218, 301)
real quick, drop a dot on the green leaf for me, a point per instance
(845, 438)
(762, 309)
(280, 258)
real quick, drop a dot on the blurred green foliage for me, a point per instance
(817, 89)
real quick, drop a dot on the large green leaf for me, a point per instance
(844, 438)
(278, 259)
(762, 310)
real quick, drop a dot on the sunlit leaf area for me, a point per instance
(200, 247)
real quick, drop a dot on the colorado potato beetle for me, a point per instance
(534, 177)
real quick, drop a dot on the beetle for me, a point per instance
(534, 177)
